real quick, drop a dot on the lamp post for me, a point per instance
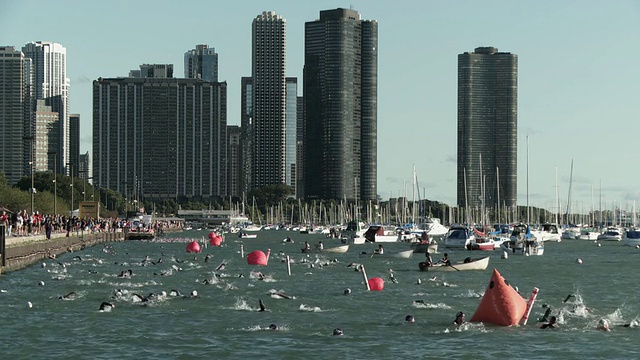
(55, 177)
(32, 190)
(71, 172)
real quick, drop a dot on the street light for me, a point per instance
(32, 190)
(55, 177)
(71, 165)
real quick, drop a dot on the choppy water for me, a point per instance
(224, 321)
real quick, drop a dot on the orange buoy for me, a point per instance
(193, 247)
(258, 258)
(216, 240)
(376, 284)
(501, 304)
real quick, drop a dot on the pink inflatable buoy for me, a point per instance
(258, 258)
(376, 284)
(193, 247)
(216, 240)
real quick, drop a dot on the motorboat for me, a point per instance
(548, 232)
(632, 237)
(482, 244)
(376, 233)
(458, 237)
(523, 242)
(469, 264)
(588, 233)
(244, 235)
(571, 233)
(611, 234)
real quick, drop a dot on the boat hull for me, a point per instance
(337, 249)
(477, 264)
(423, 248)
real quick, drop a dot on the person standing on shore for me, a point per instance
(48, 227)
(4, 220)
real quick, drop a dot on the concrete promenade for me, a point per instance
(22, 251)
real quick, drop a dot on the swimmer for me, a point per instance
(206, 258)
(105, 306)
(338, 332)
(69, 296)
(409, 319)
(552, 324)
(568, 297)
(347, 291)
(460, 318)
(545, 317)
(262, 307)
(273, 327)
(603, 325)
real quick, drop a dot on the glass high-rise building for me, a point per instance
(246, 132)
(268, 69)
(487, 128)
(16, 114)
(201, 63)
(340, 106)
(46, 134)
(290, 132)
(234, 160)
(74, 144)
(160, 138)
(51, 84)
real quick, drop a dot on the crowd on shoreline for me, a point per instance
(22, 223)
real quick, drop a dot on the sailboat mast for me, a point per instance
(528, 211)
(498, 193)
(557, 196)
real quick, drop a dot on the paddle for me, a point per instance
(454, 267)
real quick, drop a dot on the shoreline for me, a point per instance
(23, 251)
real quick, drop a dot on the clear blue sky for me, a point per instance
(578, 93)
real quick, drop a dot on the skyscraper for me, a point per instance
(340, 106)
(46, 136)
(290, 131)
(160, 138)
(234, 160)
(487, 128)
(246, 132)
(268, 66)
(16, 114)
(52, 85)
(74, 144)
(201, 63)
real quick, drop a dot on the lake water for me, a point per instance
(223, 321)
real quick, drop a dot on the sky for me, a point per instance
(578, 76)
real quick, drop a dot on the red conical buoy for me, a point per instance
(257, 258)
(501, 304)
(216, 240)
(376, 284)
(193, 247)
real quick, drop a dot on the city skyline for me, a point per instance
(576, 71)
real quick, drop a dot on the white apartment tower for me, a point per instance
(51, 84)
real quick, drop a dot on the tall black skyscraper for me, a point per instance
(487, 128)
(268, 66)
(340, 106)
